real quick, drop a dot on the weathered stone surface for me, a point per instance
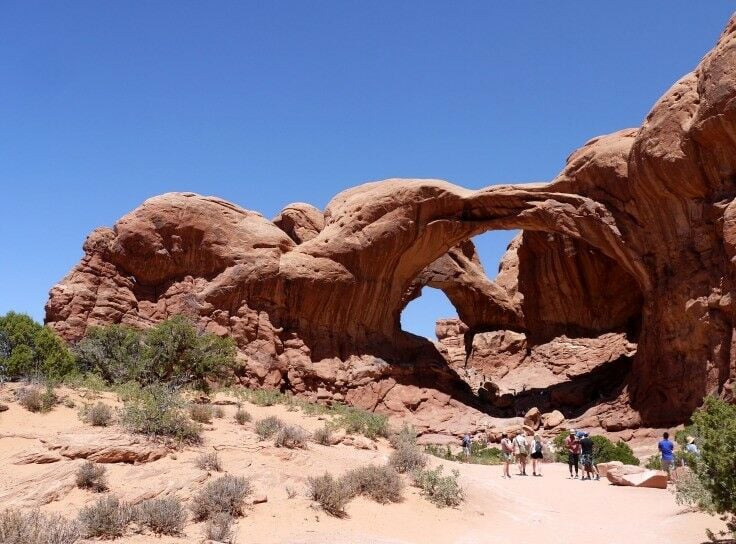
(533, 418)
(552, 419)
(604, 468)
(633, 476)
(616, 298)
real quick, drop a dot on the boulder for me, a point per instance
(604, 468)
(633, 476)
(552, 419)
(533, 418)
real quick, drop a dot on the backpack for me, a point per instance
(521, 444)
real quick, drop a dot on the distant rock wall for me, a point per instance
(621, 277)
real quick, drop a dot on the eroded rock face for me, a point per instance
(622, 276)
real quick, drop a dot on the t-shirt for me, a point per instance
(506, 445)
(692, 448)
(587, 445)
(667, 448)
(572, 444)
(520, 443)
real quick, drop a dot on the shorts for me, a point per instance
(586, 460)
(573, 459)
(537, 455)
(668, 465)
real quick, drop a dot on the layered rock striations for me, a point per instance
(613, 303)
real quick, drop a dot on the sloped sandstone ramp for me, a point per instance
(635, 237)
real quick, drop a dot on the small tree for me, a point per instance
(112, 352)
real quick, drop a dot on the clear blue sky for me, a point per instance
(104, 104)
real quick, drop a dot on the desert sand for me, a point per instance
(553, 507)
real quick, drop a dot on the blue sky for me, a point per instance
(104, 104)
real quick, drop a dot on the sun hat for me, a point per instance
(572, 431)
(690, 439)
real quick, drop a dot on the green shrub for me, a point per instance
(242, 416)
(159, 412)
(201, 413)
(381, 483)
(440, 490)
(209, 461)
(31, 350)
(176, 352)
(269, 426)
(92, 476)
(112, 352)
(224, 495)
(291, 436)
(480, 454)
(264, 397)
(357, 421)
(106, 518)
(162, 516)
(332, 494)
(33, 527)
(97, 415)
(406, 435)
(654, 463)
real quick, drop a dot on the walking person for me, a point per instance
(467, 444)
(521, 449)
(667, 449)
(573, 452)
(507, 454)
(586, 456)
(537, 455)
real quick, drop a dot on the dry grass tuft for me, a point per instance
(209, 461)
(223, 495)
(92, 476)
(291, 437)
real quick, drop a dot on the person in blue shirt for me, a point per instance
(667, 449)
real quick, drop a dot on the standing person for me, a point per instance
(667, 449)
(586, 456)
(467, 444)
(521, 448)
(573, 452)
(537, 455)
(507, 454)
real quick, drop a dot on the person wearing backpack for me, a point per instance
(537, 455)
(507, 454)
(521, 449)
(467, 444)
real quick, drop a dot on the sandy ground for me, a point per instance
(552, 508)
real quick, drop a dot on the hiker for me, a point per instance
(467, 444)
(691, 446)
(573, 452)
(521, 449)
(537, 455)
(667, 449)
(586, 456)
(507, 454)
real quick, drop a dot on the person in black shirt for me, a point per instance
(586, 457)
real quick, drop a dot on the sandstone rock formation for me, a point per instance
(633, 476)
(615, 301)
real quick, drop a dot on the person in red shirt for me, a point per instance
(573, 452)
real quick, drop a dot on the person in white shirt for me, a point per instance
(521, 449)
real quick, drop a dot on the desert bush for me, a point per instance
(219, 528)
(34, 399)
(264, 397)
(480, 454)
(407, 457)
(440, 490)
(357, 421)
(33, 527)
(654, 463)
(163, 516)
(175, 351)
(223, 495)
(201, 413)
(97, 415)
(291, 436)
(106, 518)
(218, 412)
(32, 350)
(242, 416)
(406, 435)
(381, 483)
(332, 494)
(112, 352)
(156, 411)
(269, 426)
(323, 435)
(209, 461)
(92, 476)
(715, 426)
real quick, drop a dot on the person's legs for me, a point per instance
(576, 459)
(570, 462)
(523, 464)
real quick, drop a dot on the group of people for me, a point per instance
(579, 447)
(520, 449)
